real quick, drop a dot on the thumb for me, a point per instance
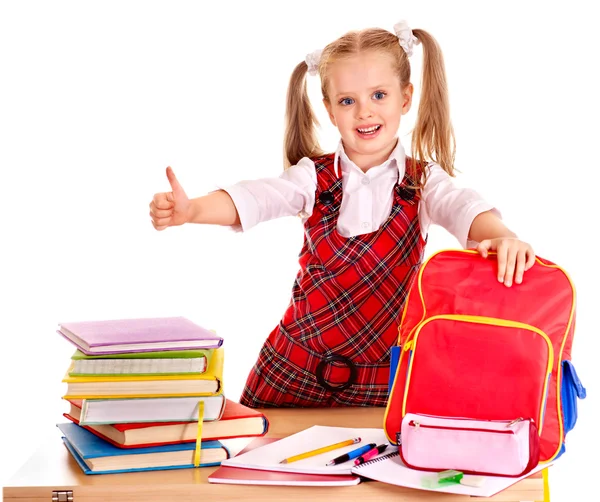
(530, 259)
(175, 186)
(483, 247)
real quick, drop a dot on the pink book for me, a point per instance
(138, 335)
(240, 476)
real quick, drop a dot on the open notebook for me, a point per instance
(238, 476)
(388, 468)
(268, 457)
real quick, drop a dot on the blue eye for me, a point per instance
(346, 101)
(379, 95)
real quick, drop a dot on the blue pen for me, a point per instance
(352, 454)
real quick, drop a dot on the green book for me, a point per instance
(168, 362)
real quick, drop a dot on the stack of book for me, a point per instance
(147, 394)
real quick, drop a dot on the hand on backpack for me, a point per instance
(169, 209)
(514, 257)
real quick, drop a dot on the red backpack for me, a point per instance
(471, 348)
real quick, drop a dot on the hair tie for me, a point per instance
(405, 37)
(312, 61)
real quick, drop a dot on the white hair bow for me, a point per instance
(405, 37)
(312, 61)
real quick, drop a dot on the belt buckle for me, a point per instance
(340, 359)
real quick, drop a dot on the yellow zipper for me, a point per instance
(480, 320)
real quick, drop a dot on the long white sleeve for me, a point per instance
(265, 199)
(449, 206)
(367, 199)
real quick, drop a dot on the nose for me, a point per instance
(363, 110)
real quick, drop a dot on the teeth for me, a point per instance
(370, 129)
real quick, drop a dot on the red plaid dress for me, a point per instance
(332, 347)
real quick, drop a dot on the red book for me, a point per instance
(240, 476)
(237, 421)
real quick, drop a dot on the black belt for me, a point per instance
(340, 359)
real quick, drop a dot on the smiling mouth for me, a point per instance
(369, 130)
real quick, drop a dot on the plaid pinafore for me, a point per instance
(332, 347)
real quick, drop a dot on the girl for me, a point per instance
(366, 209)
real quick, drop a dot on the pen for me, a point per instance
(351, 454)
(318, 451)
(370, 454)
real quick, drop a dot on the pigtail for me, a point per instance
(433, 136)
(300, 138)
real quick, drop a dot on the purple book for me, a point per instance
(138, 335)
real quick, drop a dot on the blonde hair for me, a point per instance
(433, 136)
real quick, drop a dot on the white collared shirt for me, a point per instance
(367, 197)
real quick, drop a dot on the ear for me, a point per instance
(407, 95)
(328, 106)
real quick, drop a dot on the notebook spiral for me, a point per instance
(378, 459)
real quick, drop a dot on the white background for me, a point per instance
(97, 98)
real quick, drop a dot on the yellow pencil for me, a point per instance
(318, 451)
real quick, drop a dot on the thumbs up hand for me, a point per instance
(169, 209)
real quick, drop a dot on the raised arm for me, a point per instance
(216, 208)
(169, 209)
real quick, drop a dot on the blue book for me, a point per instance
(97, 456)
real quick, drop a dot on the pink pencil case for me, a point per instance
(488, 447)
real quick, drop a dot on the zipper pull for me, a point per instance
(414, 424)
(516, 420)
(408, 345)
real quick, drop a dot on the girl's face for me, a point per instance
(365, 104)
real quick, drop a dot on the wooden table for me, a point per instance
(53, 470)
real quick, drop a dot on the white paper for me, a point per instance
(268, 457)
(390, 469)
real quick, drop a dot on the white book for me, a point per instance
(166, 409)
(161, 366)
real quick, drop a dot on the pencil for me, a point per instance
(318, 451)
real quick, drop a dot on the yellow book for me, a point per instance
(208, 383)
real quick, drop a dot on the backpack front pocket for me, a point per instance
(502, 448)
(479, 367)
